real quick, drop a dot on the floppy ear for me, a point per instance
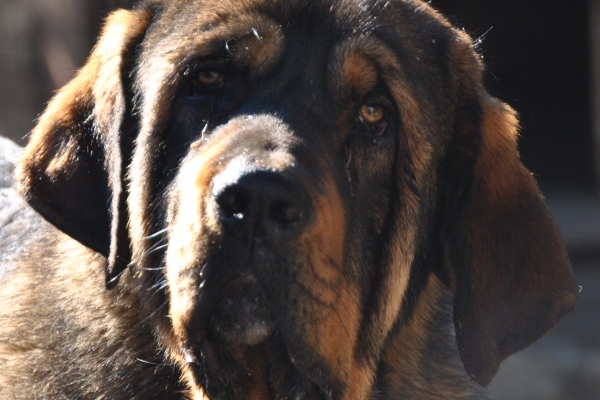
(72, 170)
(509, 271)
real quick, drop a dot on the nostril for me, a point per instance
(259, 204)
(285, 213)
(232, 203)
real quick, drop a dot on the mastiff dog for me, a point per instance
(275, 199)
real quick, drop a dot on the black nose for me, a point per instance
(262, 204)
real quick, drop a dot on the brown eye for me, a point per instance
(373, 117)
(371, 114)
(209, 77)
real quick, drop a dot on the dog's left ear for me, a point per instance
(505, 259)
(72, 170)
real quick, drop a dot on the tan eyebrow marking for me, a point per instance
(359, 73)
(355, 66)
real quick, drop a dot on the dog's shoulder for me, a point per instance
(59, 327)
(63, 336)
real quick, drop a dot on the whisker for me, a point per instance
(479, 40)
(158, 242)
(204, 130)
(116, 277)
(348, 175)
(154, 269)
(157, 234)
(160, 285)
(203, 270)
(255, 32)
(156, 248)
(152, 363)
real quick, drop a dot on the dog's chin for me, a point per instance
(231, 352)
(241, 354)
(243, 316)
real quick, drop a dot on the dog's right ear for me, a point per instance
(72, 170)
(509, 271)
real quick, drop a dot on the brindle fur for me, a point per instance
(257, 240)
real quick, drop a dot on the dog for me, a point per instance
(268, 199)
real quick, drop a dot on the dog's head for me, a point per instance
(281, 174)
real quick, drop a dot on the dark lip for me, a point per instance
(213, 370)
(222, 377)
(243, 316)
(232, 311)
(215, 348)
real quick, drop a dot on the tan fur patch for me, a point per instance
(323, 246)
(405, 353)
(360, 73)
(335, 329)
(500, 143)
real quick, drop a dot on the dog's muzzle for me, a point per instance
(255, 246)
(244, 202)
(260, 211)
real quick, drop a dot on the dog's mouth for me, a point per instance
(250, 329)
(241, 353)
(236, 329)
(226, 356)
(231, 330)
(243, 316)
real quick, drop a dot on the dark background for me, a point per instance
(537, 53)
(42, 43)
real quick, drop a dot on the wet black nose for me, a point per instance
(262, 205)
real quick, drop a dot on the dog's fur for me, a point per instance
(268, 199)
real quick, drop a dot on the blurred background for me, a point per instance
(543, 58)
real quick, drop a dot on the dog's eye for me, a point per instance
(371, 114)
(207, 82)
(373, 117)
(210, 78)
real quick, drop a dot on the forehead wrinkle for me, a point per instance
(220, 34)
(210, 34)
(158, 78)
